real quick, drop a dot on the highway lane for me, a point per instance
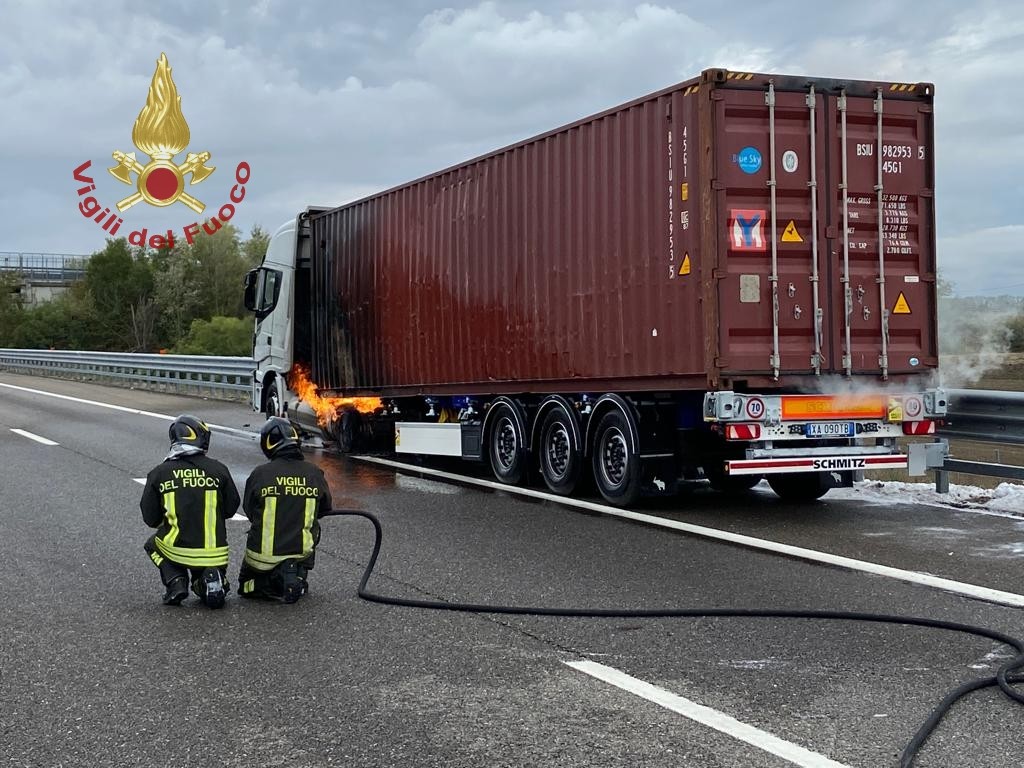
(94, 669)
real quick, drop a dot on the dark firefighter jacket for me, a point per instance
(187, 500)
(283, 500)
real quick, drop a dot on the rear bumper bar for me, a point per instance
(814, 464)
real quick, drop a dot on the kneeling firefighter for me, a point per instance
(283, 500)
(187, 498)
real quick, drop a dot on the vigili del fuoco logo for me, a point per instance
(160, 131)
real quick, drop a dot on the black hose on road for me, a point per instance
(1005, 678)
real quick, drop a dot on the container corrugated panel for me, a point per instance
(619, 253)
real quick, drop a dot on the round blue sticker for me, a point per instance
(749, 160)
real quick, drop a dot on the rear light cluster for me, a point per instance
(919, 427)
(743, 432)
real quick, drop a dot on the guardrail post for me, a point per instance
(941, 481)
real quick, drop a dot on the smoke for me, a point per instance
(974, 337)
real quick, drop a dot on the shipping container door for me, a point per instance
(882, 259)
(770, 162)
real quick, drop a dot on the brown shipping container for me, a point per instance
(724, 232)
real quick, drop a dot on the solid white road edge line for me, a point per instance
(31, 436)
(924, 579)
(712, 718)
(125, 409)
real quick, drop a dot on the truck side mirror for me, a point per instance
(251, 293)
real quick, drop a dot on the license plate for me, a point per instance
(829, 429)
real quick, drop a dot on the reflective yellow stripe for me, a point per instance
(201, 558)
(307, 527)
(269, 520)
(210, 516)
(171, 513)
(261, 562)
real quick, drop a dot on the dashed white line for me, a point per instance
(31, 436)
(913, 577)
(704, 715)
(139, 480)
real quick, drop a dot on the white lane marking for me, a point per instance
(712, 718)
(31, 436)
(924, 579)
(139, 480)
(125, 409)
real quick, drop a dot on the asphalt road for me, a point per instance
(95, 671)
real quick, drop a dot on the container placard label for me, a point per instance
(746, 229)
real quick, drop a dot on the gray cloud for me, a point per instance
(331, 101)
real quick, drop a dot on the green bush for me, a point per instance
(218, 336)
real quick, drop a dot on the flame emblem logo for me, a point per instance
(161, 132)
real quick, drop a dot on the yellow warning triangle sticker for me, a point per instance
(685, 268)
(901, 308)
(790, 235)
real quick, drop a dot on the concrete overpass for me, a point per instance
(43, 276)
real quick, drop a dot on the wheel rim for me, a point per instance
(614, 457)
(506, 444)
(557, 451)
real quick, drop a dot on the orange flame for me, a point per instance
(327, 408)
(160, 129)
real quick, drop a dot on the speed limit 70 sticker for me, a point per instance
(755, 408)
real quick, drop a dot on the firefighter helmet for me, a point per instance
(188, 430)
(276, 435)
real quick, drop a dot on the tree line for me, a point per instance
(184, 300)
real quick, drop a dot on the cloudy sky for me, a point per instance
(328, 101)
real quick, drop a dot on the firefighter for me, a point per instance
(187, 498)
(283, 499)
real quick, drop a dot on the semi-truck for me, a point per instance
(730, 279)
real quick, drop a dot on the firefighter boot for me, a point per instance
(213, 591)
(177, 590)
(291, 582)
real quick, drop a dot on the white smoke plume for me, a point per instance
(973, 340)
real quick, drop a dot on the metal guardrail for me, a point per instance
(222, 377)
(45, 267)
(988, 416)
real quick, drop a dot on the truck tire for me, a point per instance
(505, 446)
(347, 430)
(616, 465)
(273, 400)
(561, 460)
(800, 487)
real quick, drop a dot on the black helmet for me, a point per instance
(276, 435)
(188, 430)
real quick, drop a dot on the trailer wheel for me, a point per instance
(800, 486)
(347, 430)
(616, 465)
(561, 461)
(505, 446)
